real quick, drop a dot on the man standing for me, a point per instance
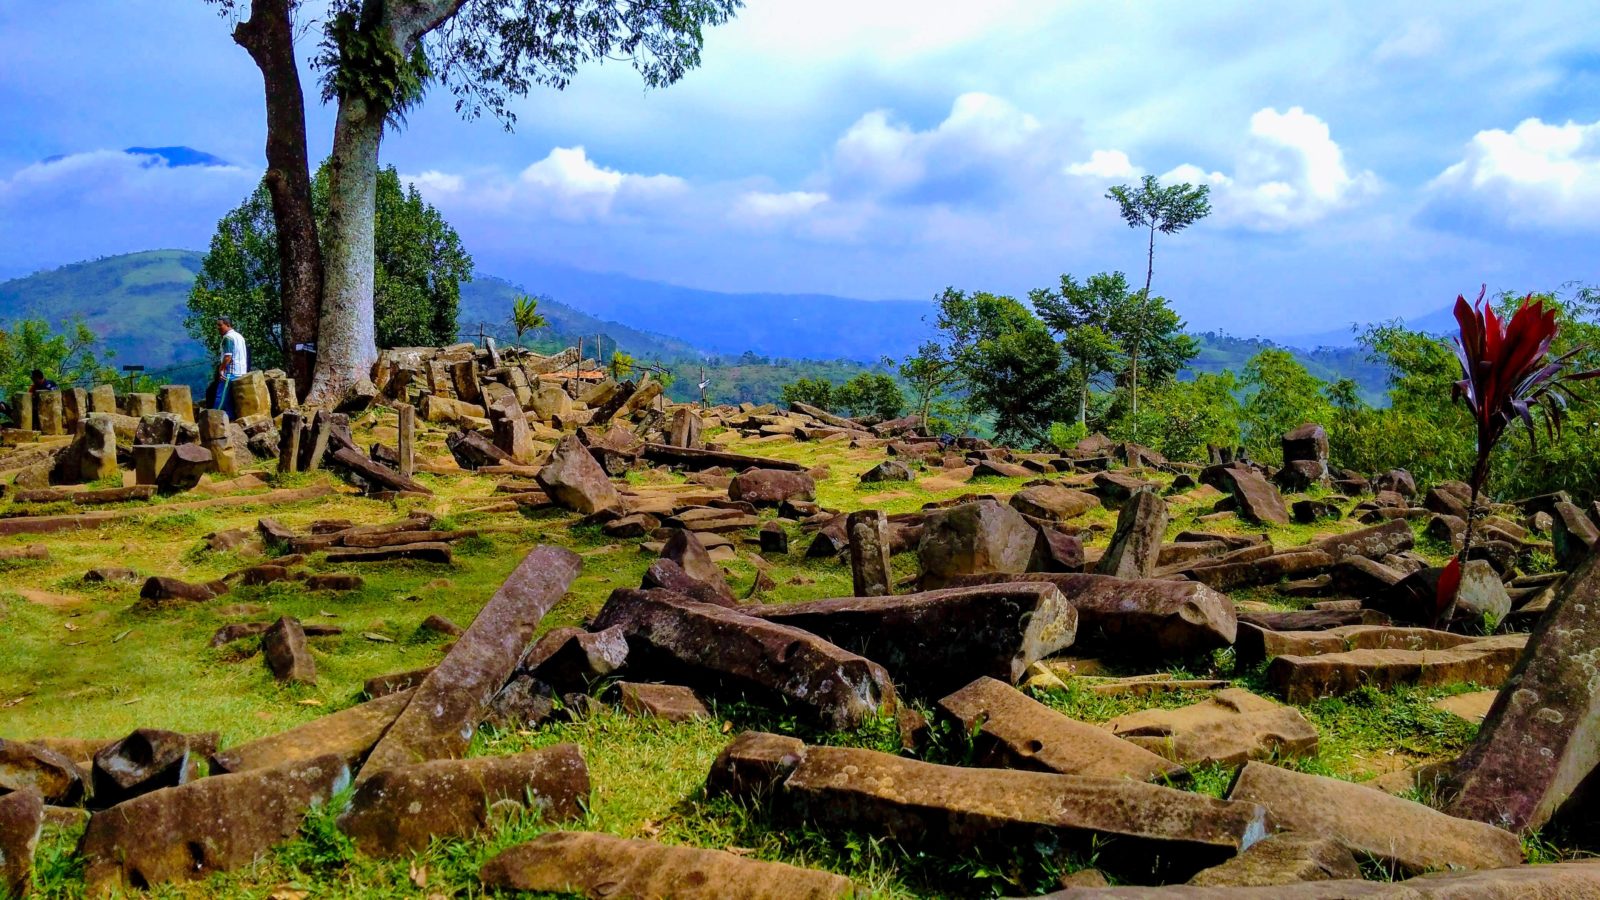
(235, 362)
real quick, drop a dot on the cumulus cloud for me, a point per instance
(1106, 164)
(761, 205)
(1290, 173)
(109, 201)
(1536, 176)
(566, 184)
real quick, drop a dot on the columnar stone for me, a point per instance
(280, 388)
(869, 553)
(1283, 859)
(772, 487)
(348, 734)
(594, 865)
(1307, 443)
(573, 479)
(103, 399)
(937, 641)
(214, 436)
(289, 436)
(1015, 731)
(21, 817)
(97, 449)
(49, 413)
(22, 407)
(147, 760)
(139, 405)
(175, 399)
(187, 463)
(1302, 679)
(464, 377)
(150, 462)
(407, 442)
(1541, 739)
(511, 432)
(1136, 544)
(1230, 728)
(1368, 821)
(210, 825)
(1573, 534)
(400, 810)
(978, 538)
(74, 408)
(314, 444)
(284, 646)
(1258, 500)
(551, 402)
(32, 767)
(450, 702)
(685, 431)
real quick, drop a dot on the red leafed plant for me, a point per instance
(1506, 373)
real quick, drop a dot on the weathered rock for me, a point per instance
(1258, 500)
(601, 867)
(753, 764)
(447, 706)
(1481, 597)
(1265, 570)
(978, 538)
(1541, 739)
(21, 819)
(685, 548)
(578, 658)
(1374, 542)
(1573, 534)
(422, 551)
(1302, 679)
(669, 702)
(284, 646)
(1052, 501)
(709, 459)
(1230, 728)
(146, 760)
(31, 767)
(1390, 829)
(1286, 858)
(1255, 643)
(888, 470)
(869, 553)
(1169, 832)
(1307, 512)
(1012, 730)
(771, 487)
(1139, 617)
(401, 809)
(347, 734)
(774, 539)
(1136, 544)
(937, 641)
(96, 449)
(573, 479)
(673, 638)
(211, 825)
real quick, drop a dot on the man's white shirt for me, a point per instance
(233, 343)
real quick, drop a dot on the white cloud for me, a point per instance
(1536, 176)
(1105, 164)
(978, 143)
(765, 205)
(1290, 173)
(565, 184)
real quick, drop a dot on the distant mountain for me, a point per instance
(486, 304)
(1438, 322)
(795, 326)
(1222, 351)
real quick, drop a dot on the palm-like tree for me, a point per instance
(525, 316)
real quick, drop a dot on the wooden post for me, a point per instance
(407, 441)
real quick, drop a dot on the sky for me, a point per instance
(1366, 160)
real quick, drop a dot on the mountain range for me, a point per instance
(136, 303)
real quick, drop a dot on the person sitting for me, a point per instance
(40, 383)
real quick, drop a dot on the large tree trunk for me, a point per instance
(268, 36)
(347, 341)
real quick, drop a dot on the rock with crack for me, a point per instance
(215, 824)
(978, 538)
(400, 810)
(1014, 731)
(1285, 858)
(1399, 832)
(596, 866)
(671, 637)
(1136, 544)
(1258, 500)
(574, 480)
(451, 701)
(937, 641)
(1230, 728)
(1302, 679)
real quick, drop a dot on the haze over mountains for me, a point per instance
(136, 302)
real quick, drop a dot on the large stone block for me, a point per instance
(979, 538)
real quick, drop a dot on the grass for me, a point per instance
(94, 665)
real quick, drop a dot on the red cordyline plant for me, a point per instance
(1506, 374)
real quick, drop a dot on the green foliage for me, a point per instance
(622, 364)
(1165, 208)
(360, 62)
(525, 315)
(930, 373)
(870, 394)
(1180, 419)
(816, 392)
(1282, 395)
(1064, 437)
(68, 356)
(417, 281)
(1011, 365)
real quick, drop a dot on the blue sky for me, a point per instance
(1366, 160)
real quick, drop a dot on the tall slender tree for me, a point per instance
(1168, 209)
(268, 36)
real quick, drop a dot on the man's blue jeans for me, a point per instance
(225, 394)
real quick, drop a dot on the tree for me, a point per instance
(870, 394)
(930, 373)
(1283, 395)
(1169, 210)
(816, 392)
(1009, 361)
(68, 356)
(525, 315)
(378, 56)
(622, 364)
(418, 260)
(268, 36)
(1088, 317)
